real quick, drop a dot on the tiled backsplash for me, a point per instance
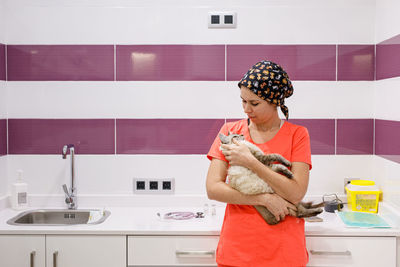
(388, 58)
(3, 137)
(2, 62)
(185, 62)
(60, 62)
(170, 62)
(169, 136)
(387, 142)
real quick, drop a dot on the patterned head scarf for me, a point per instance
(270, 82)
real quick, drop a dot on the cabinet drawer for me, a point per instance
(352, 251)
(172, 250)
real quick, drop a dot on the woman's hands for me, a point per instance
(278, 206)
(237, 154)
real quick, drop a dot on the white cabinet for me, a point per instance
(172, 250)
(84, 251)
(22, 250)
(62, 251)
(351, 251)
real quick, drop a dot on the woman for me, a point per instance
(246, 239)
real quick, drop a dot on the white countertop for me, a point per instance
(144, 221)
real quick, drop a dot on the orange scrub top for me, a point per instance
(246, 239)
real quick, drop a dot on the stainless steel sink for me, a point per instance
(59, 217)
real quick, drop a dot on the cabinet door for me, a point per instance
(172, 250)
(85, 250)
(352, 251)
(22, 250)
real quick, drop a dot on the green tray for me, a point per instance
(362, 219)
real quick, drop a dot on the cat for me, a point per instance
(247, 182)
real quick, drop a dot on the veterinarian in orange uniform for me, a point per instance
(246, 239)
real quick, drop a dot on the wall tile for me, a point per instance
(387, 142)
(388, 58)
(302, 62)
(2, 62)
(48, 136)
(356, 62)
(3, 137)
(170, 62)
(355, 136)
(166, 136)
(60, 62)
(322, 134)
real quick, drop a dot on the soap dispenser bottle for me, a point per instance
(19, 193)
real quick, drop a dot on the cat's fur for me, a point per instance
(247, 182)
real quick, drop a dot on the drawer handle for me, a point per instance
(55, 254)
(195, 253)
(336, 253)
(32, 259)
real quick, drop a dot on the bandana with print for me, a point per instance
(270, 82)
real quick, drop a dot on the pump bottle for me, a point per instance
(19, 193)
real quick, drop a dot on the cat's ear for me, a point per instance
(224, 139)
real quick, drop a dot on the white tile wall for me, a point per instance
(2, 22)
(113, 174)
(387, 174)
(178, 100)
(387, 19)
(185, 22)
(3, 100)
(387, 95)
(3, 176)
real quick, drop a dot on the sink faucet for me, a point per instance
(70, 199)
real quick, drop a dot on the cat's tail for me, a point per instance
(266, 214)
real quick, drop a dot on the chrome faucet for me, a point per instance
(70, 199)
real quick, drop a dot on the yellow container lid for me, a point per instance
(362, 182)
(362, 185)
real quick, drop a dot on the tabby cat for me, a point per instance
(247, 182)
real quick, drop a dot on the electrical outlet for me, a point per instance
(222, 19)
(153, 186)
(347, 181)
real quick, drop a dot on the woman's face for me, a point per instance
(257, 109)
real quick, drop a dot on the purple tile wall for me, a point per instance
(166, 136)
(60, 62)
(2, 62)
(48, 136)
(3, 137)
(170, 62)
(355, 136)
(387, 141)
(356, 63)
(322, 134)
(388, 58)
(302, 62)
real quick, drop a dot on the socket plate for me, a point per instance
(157, 186)
(227, 19)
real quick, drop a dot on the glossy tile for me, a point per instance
(387, 142)
(356, 62)
(301, 62)
(60, 62)
(48, 136)
(355, 136)
(170, 62)
(388, 58)
(2, 62)
(322, 134)
(3, 137)
(166, 136)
